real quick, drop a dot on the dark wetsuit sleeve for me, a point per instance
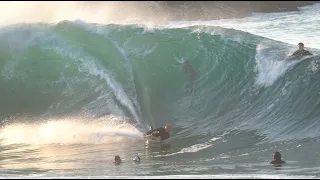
(149, 132)
(301, 53)
(277, 162)
(295, 53)
(159, 132)
(154, 130)
(305, 53)
(308, 53)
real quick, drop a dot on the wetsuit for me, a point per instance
(300, 53)
(277, 162)
(159, 132)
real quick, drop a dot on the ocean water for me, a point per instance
(74, 94)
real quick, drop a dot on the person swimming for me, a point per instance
(117, 160)
(190, 70)
(277, 159)
(300, 52)
(163, 133)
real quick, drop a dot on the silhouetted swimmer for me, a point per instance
(300, 52)
(117, 160)
(277, 159)
(190, 70)
(163, 133)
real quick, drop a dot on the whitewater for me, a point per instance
(74, 94)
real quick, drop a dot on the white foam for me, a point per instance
(288, 27)
(196, 147)
(70, 131)
(271, 64)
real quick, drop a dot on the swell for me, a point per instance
(242, 82)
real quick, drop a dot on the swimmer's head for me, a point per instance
(301, 45)
(277, 156)
(117, 159)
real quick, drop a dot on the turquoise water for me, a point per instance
(75, 94)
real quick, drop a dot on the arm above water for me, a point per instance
(153, 131)
(295, 53)
(308, 53)
(299, 54)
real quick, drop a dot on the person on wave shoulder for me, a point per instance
(163, 133)
(300, 52)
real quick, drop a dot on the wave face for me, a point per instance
(242, 81)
